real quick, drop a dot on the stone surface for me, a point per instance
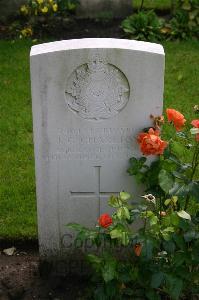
(90, 98)
(9, 251)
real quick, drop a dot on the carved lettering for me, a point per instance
(92, 144)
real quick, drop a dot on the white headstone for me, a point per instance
(90, 98)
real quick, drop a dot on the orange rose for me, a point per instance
(105, 220)
(176, 117)
(137, 249)
(195, 124)
(150, 143)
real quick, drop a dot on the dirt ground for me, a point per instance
(78, 28)
(21, 278)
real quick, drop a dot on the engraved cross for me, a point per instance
(97, 191)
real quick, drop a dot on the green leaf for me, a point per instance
(190, 235)
(168, 165)
(116, 233)
(120, 233)
(123, 213)
(142, 160)
(147, 214)
(147, 250)
(166, 233)
(166, 202)
(169, 246)
(179, 175)
(182, 191)
(109, 270)
(114, 202)
(194, 189)
(93, 259)
(153, 220)
(179, 241)
(126, 213)
(177, 148)
(166, 181)
(184, 215)
(174, 285)
(175, 199)
(169, 229)
(125, 238)
(157, 279)
(174, 219)
(151, 295)
(125, 196)
(166, 236)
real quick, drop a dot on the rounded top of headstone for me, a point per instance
(93, 43)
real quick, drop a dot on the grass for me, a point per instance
(153, 4)
(17, 191)
(17, 186)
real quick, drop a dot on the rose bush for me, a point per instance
(161, 258)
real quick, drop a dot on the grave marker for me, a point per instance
(90, 98)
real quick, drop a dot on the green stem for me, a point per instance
(195, 163)
(141, 5)
(160, 217)
(145, 220)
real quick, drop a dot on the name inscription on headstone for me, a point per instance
(92, 144)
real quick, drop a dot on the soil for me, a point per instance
(73, 29)
(21, 278)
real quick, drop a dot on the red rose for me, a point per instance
(195, 124)
(150, 143)
(176, 117)
(105, 220)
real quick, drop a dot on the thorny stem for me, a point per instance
(195, 163)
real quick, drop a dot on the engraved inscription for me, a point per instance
(97, 90)
(92, 144)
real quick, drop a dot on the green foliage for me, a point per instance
(143, 26)
(45, 14)
(185, 22)
(162, 256)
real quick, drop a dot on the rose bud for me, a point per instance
(163, 213)
(137, 249)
